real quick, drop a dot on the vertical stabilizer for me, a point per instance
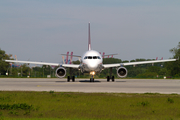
(89, 38)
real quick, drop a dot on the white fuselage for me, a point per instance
(91, 61)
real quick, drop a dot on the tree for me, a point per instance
(154, 69)
(4, 65)
(111, 60)
(25, 70)
(176, 51)
(76, 62)
(134, 71)
(174, 67)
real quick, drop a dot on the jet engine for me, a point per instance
(122, 72)
(60, 72)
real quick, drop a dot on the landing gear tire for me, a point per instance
(68, 79)
(91, 79)
(73, 78)
(112, 78)
(108, 79)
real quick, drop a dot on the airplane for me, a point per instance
(91, 62)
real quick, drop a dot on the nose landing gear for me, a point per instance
(92, 76)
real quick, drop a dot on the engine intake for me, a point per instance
(122, 72)
(60, 72)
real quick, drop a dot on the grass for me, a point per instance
(89, 106)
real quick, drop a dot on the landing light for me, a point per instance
(92, 73)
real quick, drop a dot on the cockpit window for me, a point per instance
(98, 57)
(94, 57)
(89, 57)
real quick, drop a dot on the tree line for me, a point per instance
(157, 70)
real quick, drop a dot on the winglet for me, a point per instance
(89, 38)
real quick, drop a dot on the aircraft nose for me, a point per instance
(93, 66)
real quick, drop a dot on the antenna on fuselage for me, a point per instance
(89, 37)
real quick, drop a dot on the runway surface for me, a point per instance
(83, 85)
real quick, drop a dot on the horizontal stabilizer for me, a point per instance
(109, 55)
(71, 55)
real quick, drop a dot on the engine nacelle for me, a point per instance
(122, 72)
(60, 72)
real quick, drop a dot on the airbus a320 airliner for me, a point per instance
(92, 62)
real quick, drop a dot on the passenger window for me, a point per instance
(89, 57)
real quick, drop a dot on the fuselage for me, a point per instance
(91, 61)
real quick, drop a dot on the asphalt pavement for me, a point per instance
(164, 86)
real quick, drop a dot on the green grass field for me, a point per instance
(89, 106)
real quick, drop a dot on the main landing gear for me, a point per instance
(71, 77)
(110, 77)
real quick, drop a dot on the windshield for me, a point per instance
(92, 57)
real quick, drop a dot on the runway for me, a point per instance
(164, 86)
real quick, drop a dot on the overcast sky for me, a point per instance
(40, 30)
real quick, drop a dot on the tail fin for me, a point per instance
(89, 38)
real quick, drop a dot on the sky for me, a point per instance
(40, 30)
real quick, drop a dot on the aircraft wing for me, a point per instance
(44, 63)
(31, 62)
(71, 65)
(135, 63)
